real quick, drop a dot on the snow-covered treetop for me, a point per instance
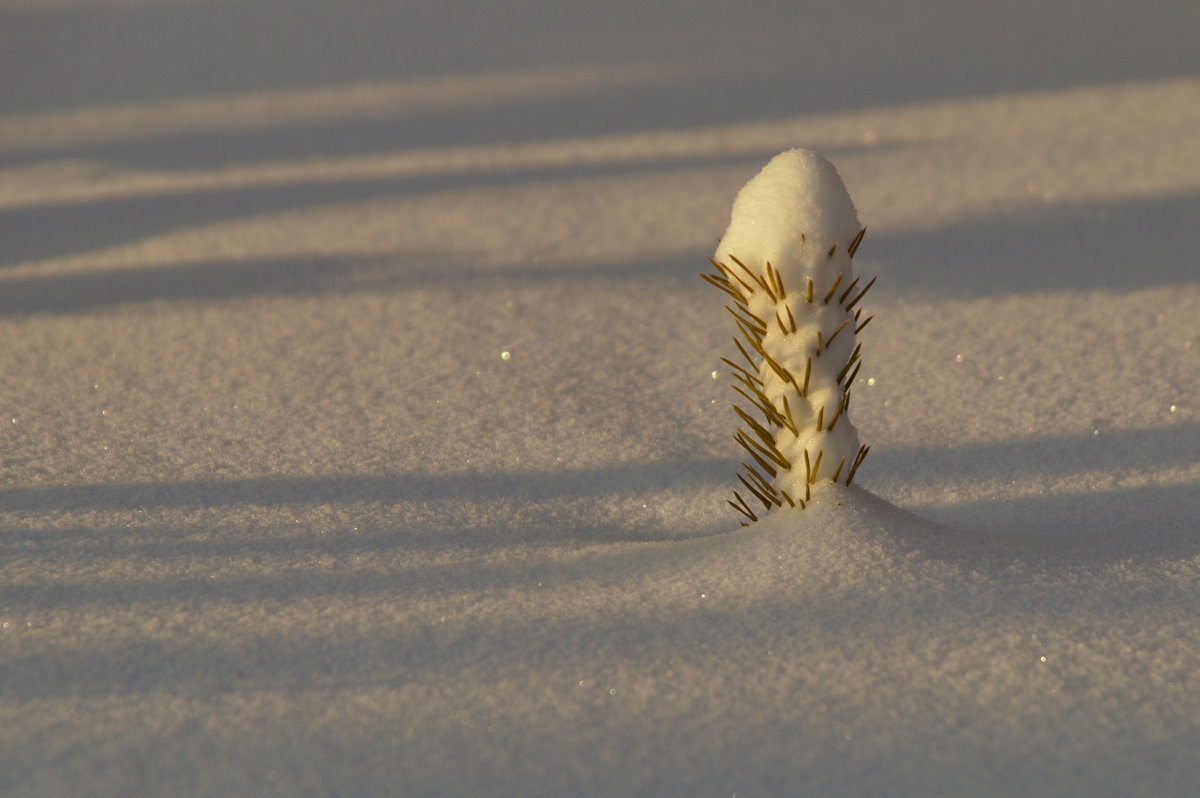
(786, 264)
(789, 215)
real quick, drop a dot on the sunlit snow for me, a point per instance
(361, 437)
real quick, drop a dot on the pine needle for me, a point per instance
(767, 503)
(788, 418)
(760, 401)
(847, 292)
(853, 374)
(744, 380)
(783, 373)
(767, 489)
(768, 414)
(763, 464)
(724, 285)
(720, 267)
(742, 507)
(776, 280)
(724, 270)
(741, 370)
(745, 313)
(850, 362)
(833, 288)
(759, 480)
(838, 473)
(779, 282)
(862, 453)
(866, 288)
(853, 248)
(769, 452)
(754, 447)
(837, 412)
(742, 349)
(835, 332)
(729, 273)
(759, 429)
(755, 277)
(751, 323)
(751, 334)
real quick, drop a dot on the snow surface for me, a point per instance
(278, 517)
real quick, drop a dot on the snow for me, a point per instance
(278, 517)
(789, 215)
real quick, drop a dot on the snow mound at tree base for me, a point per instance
(844, 531)
(823, 652)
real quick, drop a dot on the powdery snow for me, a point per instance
(278, 516)
(789, 215)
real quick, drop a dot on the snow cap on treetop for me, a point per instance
(790, 214)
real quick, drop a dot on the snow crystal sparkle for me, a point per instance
(786, 264)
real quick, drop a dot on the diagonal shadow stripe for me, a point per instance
(265, 491)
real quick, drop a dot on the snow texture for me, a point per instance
(789, 214)
(280, 517)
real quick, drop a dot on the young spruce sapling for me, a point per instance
(786, 266)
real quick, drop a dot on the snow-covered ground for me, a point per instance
(360, 436)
